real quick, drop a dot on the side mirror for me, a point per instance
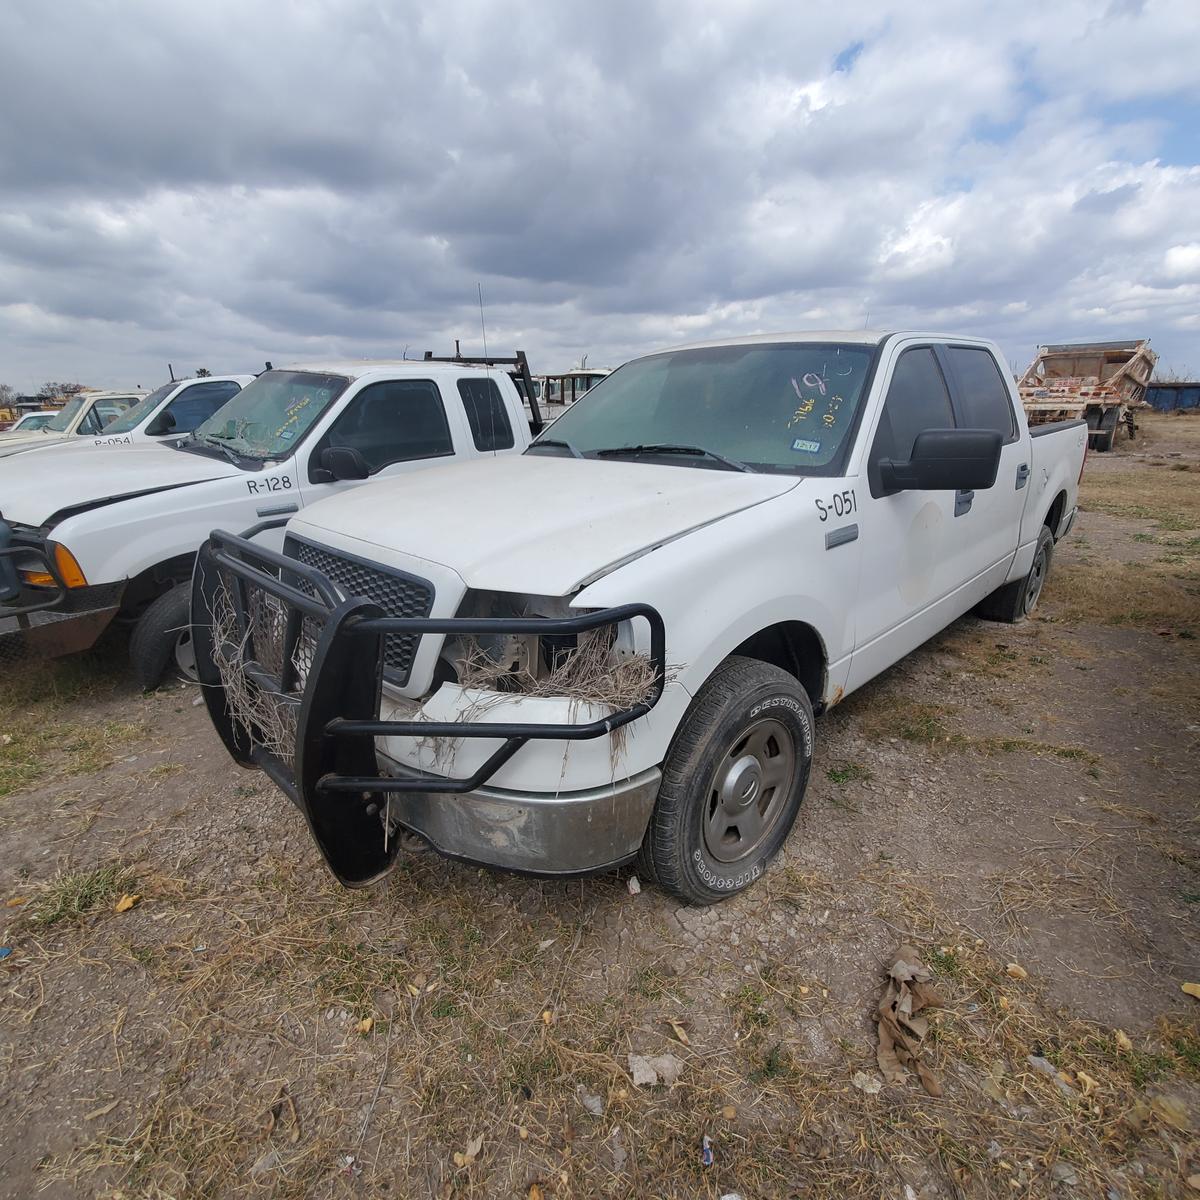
(945, 460)
(163, 423)
(344, 462)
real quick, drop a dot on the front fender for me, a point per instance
(724, 583)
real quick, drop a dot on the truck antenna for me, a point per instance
(487, 367)
(171, 372)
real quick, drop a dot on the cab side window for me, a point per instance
(98, 416)
(198, 402)
(984, 399)
(486, 413)
(917, 399)
(396, 421)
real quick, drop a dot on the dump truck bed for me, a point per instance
(1100, 382)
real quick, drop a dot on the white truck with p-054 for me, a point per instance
(614, 647)
(88, 538)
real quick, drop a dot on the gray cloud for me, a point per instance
(225, 183)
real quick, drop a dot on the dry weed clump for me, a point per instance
(589, 673)
(272, 717)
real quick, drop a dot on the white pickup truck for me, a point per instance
(87, 538)
(173, 410)
(88, 413)
(760, 526)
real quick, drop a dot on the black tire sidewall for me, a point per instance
(781, 699)
(152, 645)
(1045, 546)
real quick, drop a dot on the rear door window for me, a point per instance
(984, 399)
(488, 418)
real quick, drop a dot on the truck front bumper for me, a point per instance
(292, 670)
(570, 833)
(50, 621)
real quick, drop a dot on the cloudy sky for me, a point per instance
(224, 182)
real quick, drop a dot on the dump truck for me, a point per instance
(1103, 383)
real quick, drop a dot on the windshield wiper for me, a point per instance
(572, 450)
(211, 439)
(668, 448)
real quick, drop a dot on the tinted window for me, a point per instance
(198, 403)
(917, 400)
(396, 421)
(486, 413)
(108, 412)
(983, 396)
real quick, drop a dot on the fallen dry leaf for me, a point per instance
(535, 1192)
(1016, 971)
(678, 1030)
(870, 1084)
(1192, 989)
(1193, 1181)
(547, 1016)
(1088, 1084)
(101, 1112)
(1173, 1111)
(1124, 1043)
(126, 902)
(729, 1112)
(413, 990)
(16, 902)
(366, 1025)
(649, 1070)
(523, 1134)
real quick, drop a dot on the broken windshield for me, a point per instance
(269, 417)
(779, 407)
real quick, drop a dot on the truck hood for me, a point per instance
(536, 524)
(14, 443)
(35, 487)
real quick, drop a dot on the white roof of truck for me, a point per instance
(864, 337)
(357, 368)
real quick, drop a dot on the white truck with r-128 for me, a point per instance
(89, 538)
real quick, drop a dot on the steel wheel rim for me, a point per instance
(185, 656)
(1037, 577)
(749, 790)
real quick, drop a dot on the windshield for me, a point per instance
(268, 417)
(133, 417)
(784, 407)
(33, 421)
(66, 415)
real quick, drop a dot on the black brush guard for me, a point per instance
(334, 778)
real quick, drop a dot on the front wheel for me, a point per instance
(161, 645)
(732, 783)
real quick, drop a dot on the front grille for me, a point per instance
(397, 593)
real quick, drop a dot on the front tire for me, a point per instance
(161, 645)
(732, 783)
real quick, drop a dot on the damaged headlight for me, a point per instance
(601, 665)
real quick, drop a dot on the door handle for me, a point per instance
(962, 502)
(1022, 475)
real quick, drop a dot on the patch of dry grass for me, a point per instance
(42, 733)
(1137, 595)
(1169, 498)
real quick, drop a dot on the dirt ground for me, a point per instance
(1008, 795)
